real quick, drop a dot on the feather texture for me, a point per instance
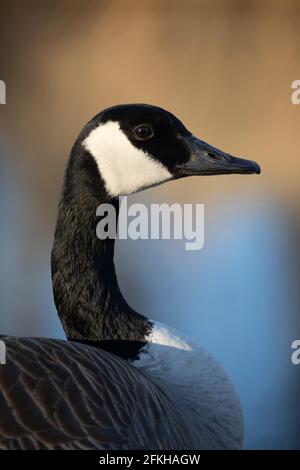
(59, 395)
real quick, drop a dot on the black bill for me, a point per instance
(207, 160)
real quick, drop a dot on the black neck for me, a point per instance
(86, 291)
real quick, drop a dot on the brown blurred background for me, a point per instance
(225, 68)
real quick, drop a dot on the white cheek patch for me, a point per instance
(124, 168)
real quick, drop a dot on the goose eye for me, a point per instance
(143, 132)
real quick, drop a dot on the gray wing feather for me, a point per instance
(60, 395)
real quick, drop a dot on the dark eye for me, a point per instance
(143, 132)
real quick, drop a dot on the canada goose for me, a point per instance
(122, 381)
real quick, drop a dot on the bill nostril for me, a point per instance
(215, 156)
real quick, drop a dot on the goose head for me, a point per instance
(122, 150)
(136, 146)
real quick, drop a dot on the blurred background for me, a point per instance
(225, 68)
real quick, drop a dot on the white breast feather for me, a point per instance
(198, 385)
